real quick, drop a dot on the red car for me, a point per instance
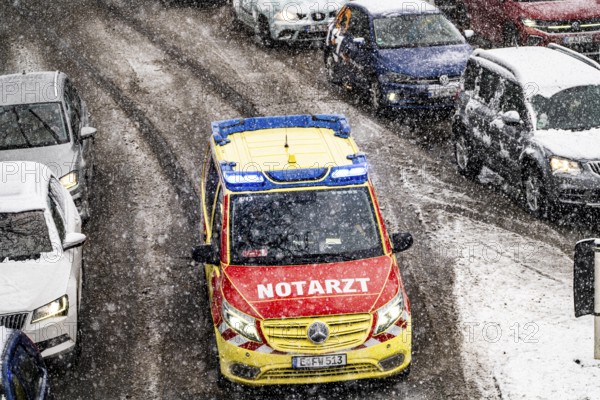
(571, 23)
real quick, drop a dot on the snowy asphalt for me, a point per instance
(155, 78)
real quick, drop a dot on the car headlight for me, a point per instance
(70, 180)
(397, 78)
(564, 166)
(530, 23)
(56, 308)
(243, 324)
(389, 313)
(287, 15)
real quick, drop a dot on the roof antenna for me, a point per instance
(286, 142)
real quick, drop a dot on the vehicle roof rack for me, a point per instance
(574, 54)
(484, 54)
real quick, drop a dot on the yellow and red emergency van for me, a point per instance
(303, 283)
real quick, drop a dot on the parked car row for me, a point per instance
(46, 166)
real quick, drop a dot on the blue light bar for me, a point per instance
(354, 174)
(222, 129)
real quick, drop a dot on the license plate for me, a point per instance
(577, 39)
(438, 91)
(313, 362)
(317, 28)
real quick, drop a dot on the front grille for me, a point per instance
(595, 167)
(353, 369)
(291, 335)
(575, 26)
(318, 16)
(13, 321)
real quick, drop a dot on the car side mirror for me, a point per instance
(511, 118)
(587, 258)
(204, 254)
(359, 41)
(468, 34)
(88, 132)
(401, 241)
(73, 239)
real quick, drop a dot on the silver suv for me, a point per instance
(43, 119)
(532, 114)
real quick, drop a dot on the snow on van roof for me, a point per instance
(23, 186)
(383, 7)
(542, 70)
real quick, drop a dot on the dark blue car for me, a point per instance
(23, 373)
(405, 54)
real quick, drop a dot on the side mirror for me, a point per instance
(401, 241)
(587, 256)
(204, 254)
(73, 240)
(359, 41)
(511, 118)
(88, 132)
(468, 33)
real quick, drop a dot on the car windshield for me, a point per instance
(23, 236)
(32, 125)
(302, 227)
(571, 109)
(415, 31)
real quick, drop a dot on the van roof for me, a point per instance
(300, 150)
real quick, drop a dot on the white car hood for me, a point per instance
(27, 285)
(584, 145)
(60, 158)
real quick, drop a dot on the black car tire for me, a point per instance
(467, 162)
(375, 96)
(535, 198)
(264, 32)
(510, 36)
(330, 69)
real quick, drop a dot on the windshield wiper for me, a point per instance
(45, 125)
(21, 128)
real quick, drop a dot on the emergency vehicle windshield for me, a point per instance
(303, 227)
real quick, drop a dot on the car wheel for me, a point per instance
(332, 75)
(535, 198)
(468, 164)
(264, 32)
(510, 36)
(375, 96)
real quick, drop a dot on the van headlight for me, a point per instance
(242, 323)
(56, 308)
(70, 180)
(564, 166)
(389, 313)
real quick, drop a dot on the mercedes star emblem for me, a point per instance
(576, 26)
(318, 332)
(444, 80)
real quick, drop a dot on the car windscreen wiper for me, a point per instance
(21, 128)
(46, 126)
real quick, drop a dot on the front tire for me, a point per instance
(467, 162)
(375, 96)
(264, 32)
(535, 196)
(332, 75)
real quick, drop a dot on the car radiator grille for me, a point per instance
(13, 321)
(575, 26)
(291, 335)
(595, 167)
(352, 369)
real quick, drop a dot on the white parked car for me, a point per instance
(287, 20)
(40, 257)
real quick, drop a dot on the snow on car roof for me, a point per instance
(396, 7)
(542, 70)
(23, 186)
(32, 87)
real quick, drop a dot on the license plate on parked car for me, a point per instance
(577, 39)
(439, 91)
(317, 28)
(333, 360)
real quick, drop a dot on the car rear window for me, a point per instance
(23, 236)
(302, 227)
